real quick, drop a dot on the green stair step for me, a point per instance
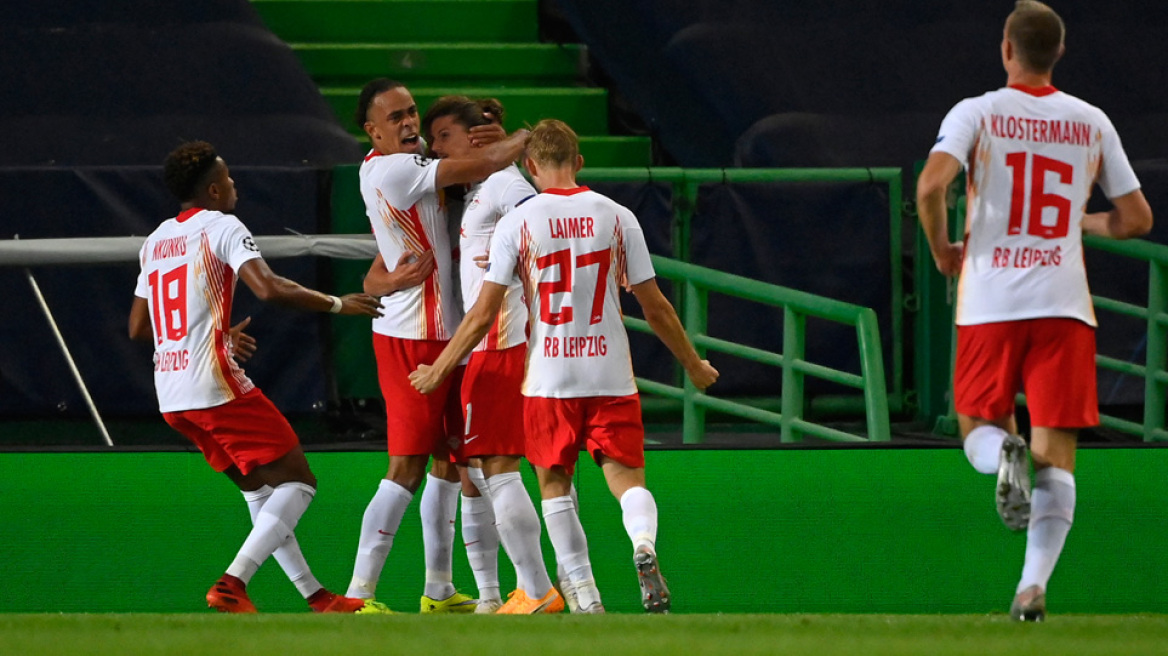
(470, 64)
(585, 109)
(602, 151)
(382, 21)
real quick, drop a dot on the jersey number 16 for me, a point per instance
(1039, 198)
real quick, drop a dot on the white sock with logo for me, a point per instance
(482, 545)
(439, 509)
(382, 518)
(273, 526)
(288, 555)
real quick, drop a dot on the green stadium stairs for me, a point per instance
(479, 48)
(438, 47)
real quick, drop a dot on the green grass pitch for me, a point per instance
(821, 635)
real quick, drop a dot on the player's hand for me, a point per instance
(243, 346)
(360, 304)
(425, 379)
(703, 375)
(948, 260)
(482, 261)
(412, 270)
(485, 135)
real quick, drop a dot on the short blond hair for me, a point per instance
(1037, 33)
(553, 143)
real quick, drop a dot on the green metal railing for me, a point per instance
(698, 282)
(686, 184)
(1156, 315)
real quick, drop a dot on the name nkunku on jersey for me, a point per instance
(486, 203)
(408, 215)
(188, 276)
(1031, 158)
(573, 250)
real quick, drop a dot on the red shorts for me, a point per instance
(247, 432)
(603, 425)
(416, 423)
(1052, 360)
(492, 405)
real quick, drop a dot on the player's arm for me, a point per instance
(410, 271)
(933, 184)
(494, 157)
(269, 287)
(662, 318)
(474, 326)
(140, 328)
(1130, 216)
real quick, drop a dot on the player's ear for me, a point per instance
(579, 162)
(529, 164)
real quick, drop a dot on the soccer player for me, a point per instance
(402, 189)
(493, 441)
(183, 303)
(572, 249)
(1024, 317)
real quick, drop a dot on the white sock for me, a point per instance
(288, 555)
(273, 526)
(571, 545)
(519, 530)
(382, 518)
(640, 517)
(476, 476)
(983, 447)
(1052, 511)
(561, 573)
(482, 544)
(439, 511)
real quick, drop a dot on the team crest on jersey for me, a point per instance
(250, 245)
(421, 160)
(474, 202)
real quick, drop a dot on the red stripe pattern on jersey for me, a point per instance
(416, 241)
(218, 292)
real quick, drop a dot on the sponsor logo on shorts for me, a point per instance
(470, 439)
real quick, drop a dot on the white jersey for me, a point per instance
(573, 250)
(486, 203)
(1031, 158)
(408, 214)
(188, 277)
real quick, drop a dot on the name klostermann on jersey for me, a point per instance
(1040, 130)
(592, 346)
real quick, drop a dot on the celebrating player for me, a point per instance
(572, 248)
(403, 199)
(493, 441)
(184, 294)
(1024, 317)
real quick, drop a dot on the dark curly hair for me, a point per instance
(187, 167)
(466, 112)
(371, 90)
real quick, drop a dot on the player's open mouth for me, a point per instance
(411, 141)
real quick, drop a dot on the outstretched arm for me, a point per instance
(1131, 216)
(932, 185)
(662, 318)
(270, 287)
(474, 326)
